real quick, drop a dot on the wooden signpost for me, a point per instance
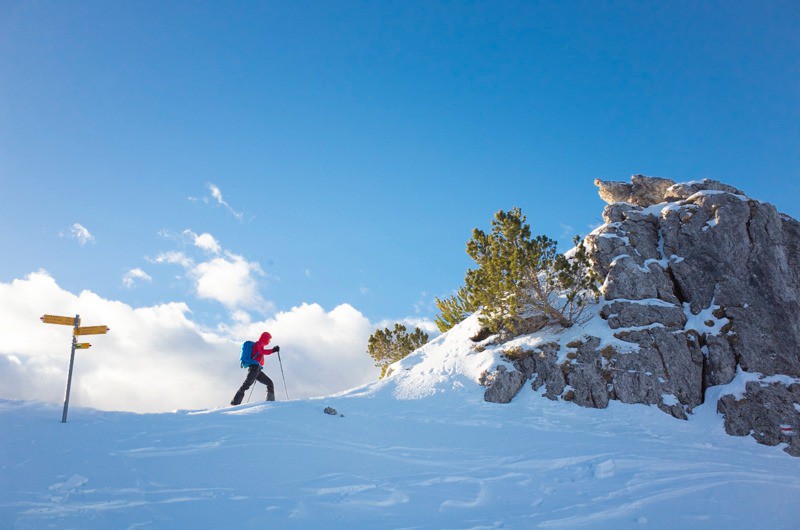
(75, 322)
(66, 321)
(91, 330)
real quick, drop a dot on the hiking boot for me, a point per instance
(270, 396)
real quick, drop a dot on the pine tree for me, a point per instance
(518, 275)
(454, 309)
(389, 346)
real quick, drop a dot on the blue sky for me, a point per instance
(254, 156)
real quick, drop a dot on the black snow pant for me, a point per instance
(254, 374)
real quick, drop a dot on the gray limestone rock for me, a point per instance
(605, 247)
(589, 388)
(502, 385)
(628, 279)
(623, 314)
(636, 386)
(685, 190)
(675, 359)
(734, 262)
(642, 191)
(747, 415)
(643, 237)
(700, 281)
(542, 365)
(617, 212)
(719, 363)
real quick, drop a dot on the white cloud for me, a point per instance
(227, 278)
(207, 242)
(204, 241)
(216, 196)
(79, 232)
(216, 193)
(230, 280)
(426, 325)
(157, 359)
(130, 277)
(175, 258)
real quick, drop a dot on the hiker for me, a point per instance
(253, 359)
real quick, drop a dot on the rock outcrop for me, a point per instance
(502, 385)
(767, 411)
(700, 282)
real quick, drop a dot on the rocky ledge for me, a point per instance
(701, 283)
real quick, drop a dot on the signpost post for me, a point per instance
(75, 322)
(71, 364)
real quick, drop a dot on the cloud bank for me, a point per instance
(157, 359)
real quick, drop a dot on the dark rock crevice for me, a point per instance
(677, 290)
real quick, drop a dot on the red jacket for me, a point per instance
(260, 348)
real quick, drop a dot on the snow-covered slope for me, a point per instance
(420, 449)
(448, 362)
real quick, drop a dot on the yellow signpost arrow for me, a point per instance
(83, 346)
(92, 330)
(65, 321)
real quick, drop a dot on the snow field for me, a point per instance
(418, 450)
(446, 461)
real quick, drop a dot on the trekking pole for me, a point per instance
(251, 391)
(283, 376)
